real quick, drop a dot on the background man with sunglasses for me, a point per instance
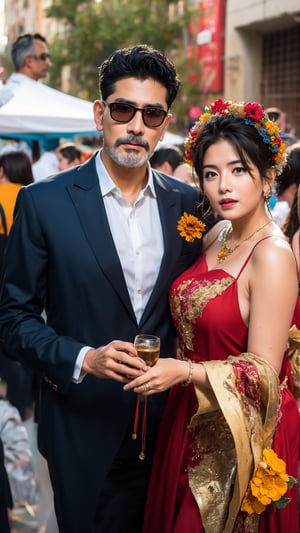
(31, 60)
(99, 248)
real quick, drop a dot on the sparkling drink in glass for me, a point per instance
(148, 348)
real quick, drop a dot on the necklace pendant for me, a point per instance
(223, 253)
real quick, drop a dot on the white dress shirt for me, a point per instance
(138, 238)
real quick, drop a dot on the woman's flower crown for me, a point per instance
(253, 115)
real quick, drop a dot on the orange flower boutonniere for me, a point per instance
(269, 484)
(190, 227)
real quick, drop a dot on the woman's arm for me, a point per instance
(273, 289)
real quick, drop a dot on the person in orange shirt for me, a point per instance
(15, 172)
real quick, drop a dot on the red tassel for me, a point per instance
(144, 429)
(144, 426)
(136, 417)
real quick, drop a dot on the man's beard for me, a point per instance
(131, 158)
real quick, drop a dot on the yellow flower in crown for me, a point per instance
(269, 484)
(190, 227)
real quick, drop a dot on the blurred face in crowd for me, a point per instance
(38, 63)
(64, 163)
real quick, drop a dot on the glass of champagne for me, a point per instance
(148, 348)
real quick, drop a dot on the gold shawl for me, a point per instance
(294, 355)
(229, 432)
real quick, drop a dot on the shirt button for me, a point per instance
(139, 291)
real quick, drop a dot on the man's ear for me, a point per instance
(165, 127)
(98, 108)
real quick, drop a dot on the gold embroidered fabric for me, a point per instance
(189, 300)
(294, 355)
(229, 432)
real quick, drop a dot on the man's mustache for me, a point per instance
(133, 139)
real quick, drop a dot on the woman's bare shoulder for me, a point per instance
(274, 253)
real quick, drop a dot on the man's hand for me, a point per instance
(117, 360)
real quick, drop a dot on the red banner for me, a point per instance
(210, 42)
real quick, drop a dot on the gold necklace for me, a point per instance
(225, 250)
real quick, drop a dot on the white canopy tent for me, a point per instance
(171, 138)
(33, 110)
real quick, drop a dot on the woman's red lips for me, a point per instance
(227, 202)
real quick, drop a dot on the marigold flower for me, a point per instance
(190, 227)
(251, 504)
(269, 484)
(271, 459)
(204, 117)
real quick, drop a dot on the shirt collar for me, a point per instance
(107, 184)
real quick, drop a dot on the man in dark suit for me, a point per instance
(97, 248)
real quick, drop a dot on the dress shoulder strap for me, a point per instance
(250, 255)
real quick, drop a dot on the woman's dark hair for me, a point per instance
(70, 152)
(243, 137)
(17, 167)
(291, 172)
(292, 221)
(141, 62)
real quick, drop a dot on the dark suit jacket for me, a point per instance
(61, 258)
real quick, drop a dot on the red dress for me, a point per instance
(206, 313)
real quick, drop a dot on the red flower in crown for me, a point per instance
(219, 106)
(254, 111)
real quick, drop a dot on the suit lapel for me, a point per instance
(86, 196)
(169, 204)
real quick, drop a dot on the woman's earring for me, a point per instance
(267, 196)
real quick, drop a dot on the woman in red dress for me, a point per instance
(229, 441)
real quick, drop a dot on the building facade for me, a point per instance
(262, 54)
(248, 49)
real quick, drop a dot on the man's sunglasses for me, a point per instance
(273, 115)
(153, 117)
(42, 57)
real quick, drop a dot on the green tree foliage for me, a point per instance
(93, 30)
